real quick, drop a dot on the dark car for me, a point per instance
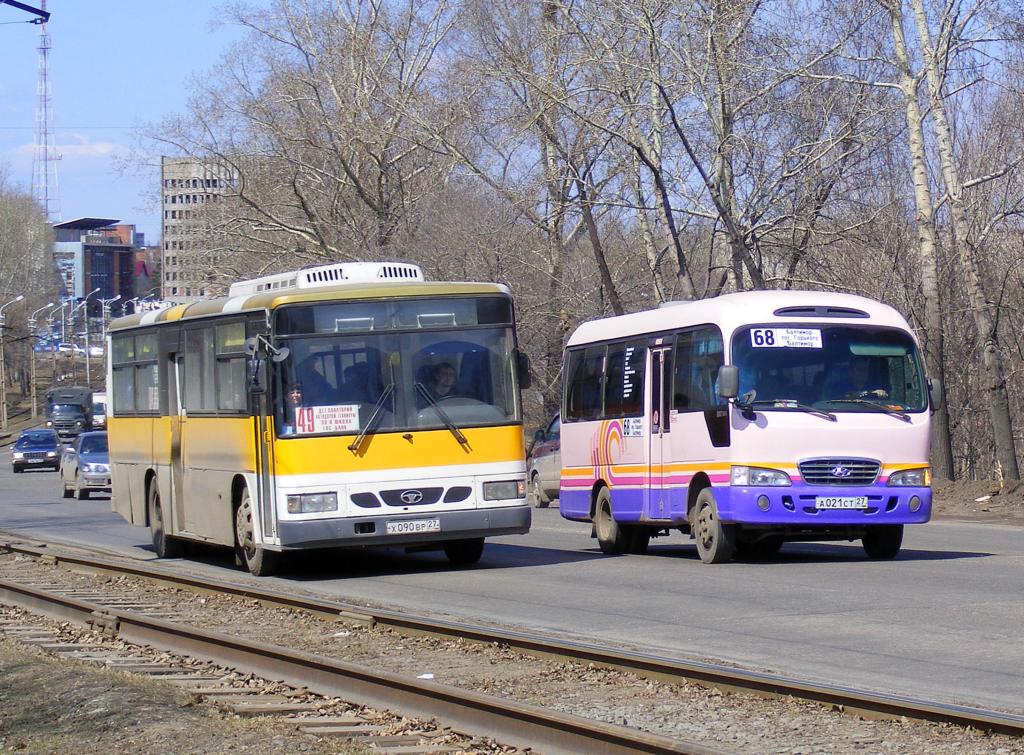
(544, 464)
(36, 449)
(85, 466)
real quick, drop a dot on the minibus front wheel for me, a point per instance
(716, 541)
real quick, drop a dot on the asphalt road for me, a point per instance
(944, 621)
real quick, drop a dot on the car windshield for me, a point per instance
(840, 368)
(37, 439)
(414, 380)
(99, 408)
(94, 444)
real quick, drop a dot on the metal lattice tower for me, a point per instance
(45, 157)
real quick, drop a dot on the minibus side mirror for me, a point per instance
(728, 381)
(523, 369)
(935, 396)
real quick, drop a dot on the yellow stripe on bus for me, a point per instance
(423, 448)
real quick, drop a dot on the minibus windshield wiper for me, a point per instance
(375, 415)
(885, 408)
(442, 414)
(792, 403)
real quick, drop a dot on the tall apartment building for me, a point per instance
(96, 253)
(186, 185)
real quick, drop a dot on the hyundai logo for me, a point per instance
(840, 471)
(411, 496)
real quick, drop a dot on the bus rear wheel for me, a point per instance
(164, 545)
(716, 542)
(258, 560)
(464, 552)
(883, 541)
(611, 536)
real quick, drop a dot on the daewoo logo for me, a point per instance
(411, 496)
(840, 471)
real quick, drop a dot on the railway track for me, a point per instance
(471, 713)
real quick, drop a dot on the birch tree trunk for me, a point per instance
(934, 340)
(981, 308)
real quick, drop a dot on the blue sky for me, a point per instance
(115, 65)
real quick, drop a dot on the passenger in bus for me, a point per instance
(442, 381)
(857, 381)
(356, 385)
(292, 402)
(317, 389)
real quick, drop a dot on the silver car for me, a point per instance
(85, 466)
(545, 464)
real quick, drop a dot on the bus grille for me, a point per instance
(839, 471)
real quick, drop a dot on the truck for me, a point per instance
(99, 410)
(69, 410)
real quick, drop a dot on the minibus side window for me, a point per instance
(584, 383)
(698, 355)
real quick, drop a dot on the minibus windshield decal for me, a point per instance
(785, 338)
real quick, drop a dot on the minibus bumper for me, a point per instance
(809, 506)
(372, 530)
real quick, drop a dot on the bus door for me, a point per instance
(264, 497)
(659, 405)
(176, 416)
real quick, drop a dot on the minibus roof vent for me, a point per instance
(337, 274)
(820, 311)
(674, 303)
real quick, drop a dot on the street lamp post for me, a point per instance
(106, 316)
(88, 374)
(3, 373)
(71, 317)
(32, 345)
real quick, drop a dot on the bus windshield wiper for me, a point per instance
(790, 403)
(442, 414)
(884, 407)
(375, 415)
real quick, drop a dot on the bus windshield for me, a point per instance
(839, 368)
(425, 379)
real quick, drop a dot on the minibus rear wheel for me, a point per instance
(716, 542)
(611, 536)
(883, 541)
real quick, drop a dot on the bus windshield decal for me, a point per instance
(340, 418)
(785, 338)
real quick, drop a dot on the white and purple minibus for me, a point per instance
(747, 420)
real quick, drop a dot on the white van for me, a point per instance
(99, 411)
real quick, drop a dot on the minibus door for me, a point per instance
(658, 407)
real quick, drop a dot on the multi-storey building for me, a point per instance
(187, 184)
(96, 253)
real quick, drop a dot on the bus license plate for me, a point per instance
(840, 502)
(413, 526)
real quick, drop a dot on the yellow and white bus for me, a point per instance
(351, 404)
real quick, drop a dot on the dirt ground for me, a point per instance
(53, 706)
(979, 500)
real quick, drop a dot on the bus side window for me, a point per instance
(584, 380)
(698, 356)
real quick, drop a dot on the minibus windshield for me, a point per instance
(838, 368)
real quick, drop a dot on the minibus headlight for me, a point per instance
(758, 477)
(306, 503)
(911, 478)
(500, 491)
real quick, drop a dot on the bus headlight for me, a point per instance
(911, 478)
(306, 503)
(759, 478)
(500, 491)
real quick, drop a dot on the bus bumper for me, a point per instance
(796, 505)
(372, 530)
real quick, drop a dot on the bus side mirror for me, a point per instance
(935, 396)
(523, 369)
(728, 381)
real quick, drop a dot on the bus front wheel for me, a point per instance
(258, 560)
(883, 541)
(716, 542)
(464, 551)
(164, 545)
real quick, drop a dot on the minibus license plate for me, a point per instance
(413, 526)
(840, 502)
